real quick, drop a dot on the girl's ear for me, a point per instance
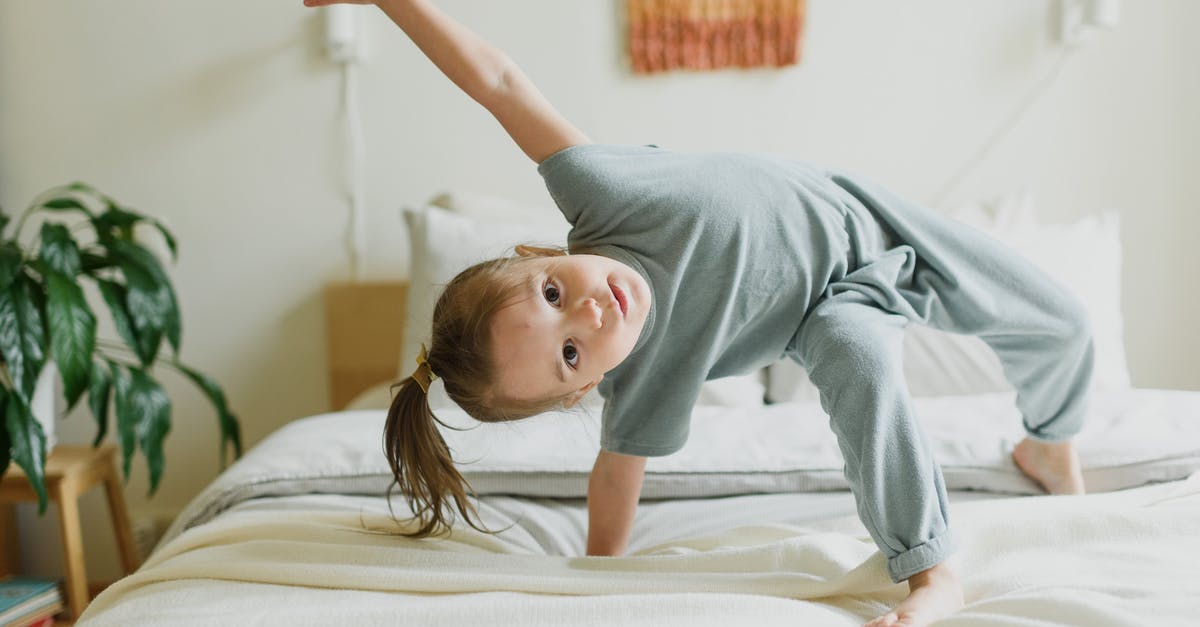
(578, 395)
(527, 251)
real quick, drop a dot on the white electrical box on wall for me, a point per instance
(1078, 18)
(344, 32)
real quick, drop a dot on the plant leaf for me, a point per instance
(149, 262)
(142, 403)
(10, 263)
(93, 262)
(230, 429)
(146, 304)
(126, 420)
(152, 401)
(28, 445)
(66, 203)
(166, 236)
(22, 338)
(72, 334)
(116, 222)
(59, 250)
(99, 389)
(151, 299)
(35, 288)
(114, 295)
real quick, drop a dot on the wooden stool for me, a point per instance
(70, 472)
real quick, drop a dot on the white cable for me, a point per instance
(1005, 127)
(355, 176)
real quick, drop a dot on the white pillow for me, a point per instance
(492, 208)
(1084, 255)
(443, 244)
(740, 391)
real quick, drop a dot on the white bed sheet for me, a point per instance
(297, 533)
(1132, 437)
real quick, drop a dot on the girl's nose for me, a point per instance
(590, 314)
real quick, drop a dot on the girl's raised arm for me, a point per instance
(484, 72)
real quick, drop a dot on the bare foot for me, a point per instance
(1055, 466)
(933, 594)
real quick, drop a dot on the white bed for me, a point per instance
(296, 532)
(751, 523)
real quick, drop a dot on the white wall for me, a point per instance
(223, 119)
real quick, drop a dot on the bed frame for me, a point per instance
(364, 332)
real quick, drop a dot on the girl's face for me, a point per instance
(578, 317)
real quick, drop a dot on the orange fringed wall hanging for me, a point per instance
(709, 34)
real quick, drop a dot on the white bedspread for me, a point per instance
(1119, 558)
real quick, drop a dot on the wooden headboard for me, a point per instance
(364, 331)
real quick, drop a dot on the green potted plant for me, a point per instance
(45, 318)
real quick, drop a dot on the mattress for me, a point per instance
(737, 527)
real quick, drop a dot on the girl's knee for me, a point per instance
(860, 361)
(1074, 329)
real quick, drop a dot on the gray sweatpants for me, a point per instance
(914, 265)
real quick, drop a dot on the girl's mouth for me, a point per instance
(620, 296)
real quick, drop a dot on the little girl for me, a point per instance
(688, 267)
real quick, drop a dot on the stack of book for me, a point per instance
(26, 601)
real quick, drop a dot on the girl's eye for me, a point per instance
(551, 293)
(571, 355)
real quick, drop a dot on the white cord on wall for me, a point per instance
(345, 44)
(1078, 19)
(355, 173)
(1034, 94)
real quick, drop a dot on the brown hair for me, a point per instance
(460, 353)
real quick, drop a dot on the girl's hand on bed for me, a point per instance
(614, 488)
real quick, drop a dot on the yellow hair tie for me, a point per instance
(423, 375)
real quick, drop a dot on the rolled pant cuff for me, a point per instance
(1049, 438)
(922, 557)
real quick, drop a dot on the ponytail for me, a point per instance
(461, 357)
(421, 463)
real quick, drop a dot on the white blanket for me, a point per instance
(277, 540)
(1120, 558)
